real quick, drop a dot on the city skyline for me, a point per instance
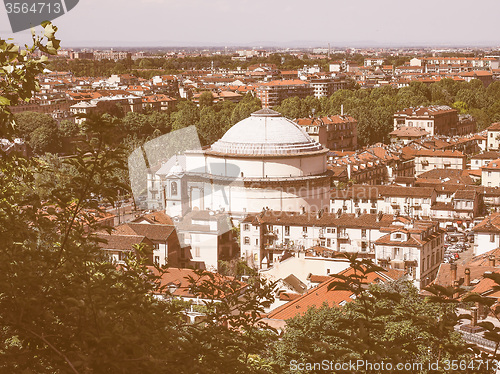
(257, 23)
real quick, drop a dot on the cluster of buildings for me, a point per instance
(375, 72)
(287, 197)
(271, 195)
(65, 97)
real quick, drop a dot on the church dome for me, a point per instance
(266, 132)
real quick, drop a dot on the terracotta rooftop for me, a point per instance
(490, 224)
(494, 127)
(320, 295)
(156, 232)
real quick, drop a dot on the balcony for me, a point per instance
(271, 234)
(342, 236)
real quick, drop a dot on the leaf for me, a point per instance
(4, 101)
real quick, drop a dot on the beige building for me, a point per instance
(427, 159)
(493, 137)
(490, 174)
(483, 159)
(416, 247)
(335, 132)
(435, 119)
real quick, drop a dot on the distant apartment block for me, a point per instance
(435, 119)
(274, 92)
(325, 87)
(111, 55)
(334, 132)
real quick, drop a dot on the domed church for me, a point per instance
(263, 162)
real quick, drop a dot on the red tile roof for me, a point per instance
(317, 296)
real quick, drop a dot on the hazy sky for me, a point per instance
(262, 22)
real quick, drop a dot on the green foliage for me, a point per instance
(374, 108)
(66, 308)
(18, 71)
(206, 99)
(387, 323)
(40, 131)
(68, 128)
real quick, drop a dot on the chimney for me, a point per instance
(491, 260)
(467, 278)
(342, 109)
(473, 321)
(453, 271)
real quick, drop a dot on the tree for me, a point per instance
(209, 128)
(108, 107)
(187, 114)
(18, 71)
(384, 323)
(40, 131)
(68, 128)
(66, 308)
(244, 108)
(206, 99)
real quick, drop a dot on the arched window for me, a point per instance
(173, 188)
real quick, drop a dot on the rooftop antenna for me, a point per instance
(342, 109)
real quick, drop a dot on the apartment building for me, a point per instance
(427, 159)
(274, 92)
(417, 247)
(206, 237)
(335, 132)
(487, 234)
(490, 174)
(267, 236)
(325, 87)
(462, 206)
(493, 137)
(435, 119)
(391, 200)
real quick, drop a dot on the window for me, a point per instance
(492, 238)
(122, 255)
(157, 260)
(287, 230)
(246, 227)
(304, 229)
(256, 241)
(363, 233)
(246, 240)
(173, 189)
(197, 251)
(328, 242)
